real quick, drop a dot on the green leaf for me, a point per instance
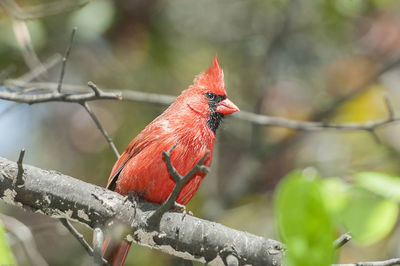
(334, 192)
(6, 256)
(303, 220)
(367, 216)
(382, 184)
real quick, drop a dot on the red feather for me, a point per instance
(142, 169)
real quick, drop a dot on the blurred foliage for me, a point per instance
(382, 184)
(308, 208)
(287, 58)
(303, 220)
(6, 255)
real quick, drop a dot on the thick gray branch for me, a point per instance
(185, 236)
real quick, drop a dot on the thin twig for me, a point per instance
(101, 128)
(38, 71)
(342, 240)
(264, 120)
(65, 59)
(19, 180)
(79, 237)
(258, 119)
(56, 97)
(95, 89)
(389, 107)
(180, 181)
(98, 239)
(391, 262)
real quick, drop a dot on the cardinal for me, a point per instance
(191, 123)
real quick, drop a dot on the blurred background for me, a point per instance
(321, 60)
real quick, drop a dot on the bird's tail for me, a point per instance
(115, 252)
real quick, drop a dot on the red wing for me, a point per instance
(150, 134)
(118, 166)
(133, 149)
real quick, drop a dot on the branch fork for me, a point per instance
(180, 181)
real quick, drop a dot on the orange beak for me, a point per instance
(226, 107)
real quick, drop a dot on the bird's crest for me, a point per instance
(212, 80)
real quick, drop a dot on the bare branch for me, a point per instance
(19, 180)
(98, 239)
(38, 71)
(264, 120)
(390, 262)
(65, 59)
(258, 119)
(342, 240)
(389, 107)
(180, 181)
(79, 237)
(95, 89)
(184, 236)
(101, 128)
(56, 97)
(139, 96)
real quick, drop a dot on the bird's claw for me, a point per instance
(132, 197)
(179, 207)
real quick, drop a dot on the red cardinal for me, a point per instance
(191, 122)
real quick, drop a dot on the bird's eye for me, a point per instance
(210, 95)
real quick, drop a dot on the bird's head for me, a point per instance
(207, 96)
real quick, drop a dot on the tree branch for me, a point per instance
(58, 195)
(98, 239)
(342, 240)
(101, 128)
(163, 99)
(390, 262)
(56, 97)
(65, 59)
(180, 181)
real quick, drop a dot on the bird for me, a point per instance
(190, 123)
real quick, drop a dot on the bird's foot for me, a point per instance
(132, 196)
(179, 207)
(182, 208)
